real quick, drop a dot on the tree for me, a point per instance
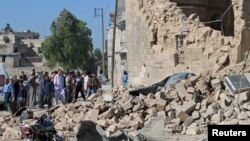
(98, 54)
(70, 43)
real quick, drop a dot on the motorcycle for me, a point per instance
(43, 130)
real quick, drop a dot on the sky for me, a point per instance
(37, 15)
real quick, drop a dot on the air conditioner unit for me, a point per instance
(237, 83)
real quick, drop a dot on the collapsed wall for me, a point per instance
(163, 40)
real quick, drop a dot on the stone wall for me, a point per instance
(27, 70)
(152, 27)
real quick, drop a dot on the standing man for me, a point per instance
(93, 84)
(79, 86)
(15, 87)
(69, 87)
(47, 91)
(86, 79)
(7, 91)
(59, 87)
(22, 95)
(32, 85)
(42, 88)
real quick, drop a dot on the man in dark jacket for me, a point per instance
(32, 89)
(22, 95)
(15, 87)
(46, 92)
(79, 85)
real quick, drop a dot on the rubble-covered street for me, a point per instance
(185, 109)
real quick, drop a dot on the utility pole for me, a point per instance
(99, 12)
(113, 47)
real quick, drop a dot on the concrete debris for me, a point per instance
(12, 133)
(143, 115)
(154, 130)
(107, 97)
(189, 107)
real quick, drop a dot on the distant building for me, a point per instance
(20, 49)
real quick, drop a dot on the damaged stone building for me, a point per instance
(20, 49)
(169, 36)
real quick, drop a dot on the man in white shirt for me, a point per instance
(59, 87)
(86, 79)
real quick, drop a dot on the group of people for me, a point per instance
(58, 86)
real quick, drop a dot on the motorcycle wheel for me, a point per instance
(57, 138)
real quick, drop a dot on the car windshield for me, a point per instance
(176, 78)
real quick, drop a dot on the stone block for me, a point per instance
(218, 67)
(182, 116)
(114, 120)
(210, 99)
(150, 102)
(203, 109)
(103, 123)
(196, 115)
(152, 112)
(216, 84)
(160, 95)
(161, 103)
(204, 102)
(29, 122)
(189, 107)
(150, 96)
(228, 113)
(213, 109)
(181, 90)
(107, 97)
(246, 106)
(92, 97)
(198, 106)
(127, 105)
(193, 79)
(190, 90)
(187, 83)
(137, 107)
(217, 118)
(173, 105)
(223, 59)
(241, 98)
(112, 128)
(242, 116)
(94, 114)
(202, 85)
(161, 113)
(106, 115)
(188, 121)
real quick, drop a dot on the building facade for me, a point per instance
(169, 36)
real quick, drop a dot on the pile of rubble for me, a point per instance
(186, 108)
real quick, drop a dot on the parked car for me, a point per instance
(3, 75)
(168, 81)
